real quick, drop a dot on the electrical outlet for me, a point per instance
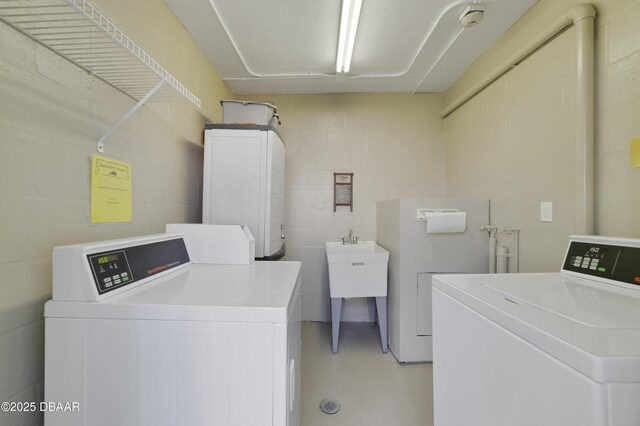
(546, 211)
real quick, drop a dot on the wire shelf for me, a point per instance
(78, 31)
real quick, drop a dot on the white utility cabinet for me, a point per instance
(415, 256)
(244, 183)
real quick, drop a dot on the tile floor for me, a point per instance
(371, 387)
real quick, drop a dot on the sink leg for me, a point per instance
(336, 311)
(381, 303)
(372, 311)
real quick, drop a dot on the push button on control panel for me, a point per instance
(111, 270)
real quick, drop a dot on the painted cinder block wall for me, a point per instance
(515, 142)
(393, 143)
(51, 115)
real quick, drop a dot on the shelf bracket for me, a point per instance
(128, 114)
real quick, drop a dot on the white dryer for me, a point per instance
(552, 349)
(243, 182)
(138, 335)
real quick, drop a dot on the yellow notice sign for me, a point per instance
(110, 190)
(635, 153)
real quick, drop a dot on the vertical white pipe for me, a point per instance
(585, 117)
(516, 251)
(492, 255)
(502, 259)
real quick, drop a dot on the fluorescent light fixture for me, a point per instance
(344, 22)
(348, 28)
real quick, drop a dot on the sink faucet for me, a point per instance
(350, 239)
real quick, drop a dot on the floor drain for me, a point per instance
(329, 406)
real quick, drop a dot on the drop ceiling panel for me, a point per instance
(390, 35)
(289, 46)
(283, 36)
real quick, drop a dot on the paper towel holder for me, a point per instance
(421, 214)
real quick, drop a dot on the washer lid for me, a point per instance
(570, 299)
(590, 326)
(260, 292)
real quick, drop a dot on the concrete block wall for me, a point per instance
(51, 115)
(515, 141)
(618, 109)
(393, 143)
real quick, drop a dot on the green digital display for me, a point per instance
(106, 259)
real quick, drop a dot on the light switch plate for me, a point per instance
(546, 211)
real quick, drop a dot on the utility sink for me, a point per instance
(358, 270)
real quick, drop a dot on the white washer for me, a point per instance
(552, 349)
(138, 335)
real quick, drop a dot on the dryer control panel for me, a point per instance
(617, 260)
(110, 270)
(114, 269)
(94, 271)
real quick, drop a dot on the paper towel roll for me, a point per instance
(445, 223)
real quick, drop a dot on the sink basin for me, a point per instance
(357, 270)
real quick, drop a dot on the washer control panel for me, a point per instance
(617, 262)
(117, 268)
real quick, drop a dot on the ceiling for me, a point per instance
(289, 46)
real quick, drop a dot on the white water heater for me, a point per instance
(244, 183)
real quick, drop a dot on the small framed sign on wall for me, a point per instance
(343, 190)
